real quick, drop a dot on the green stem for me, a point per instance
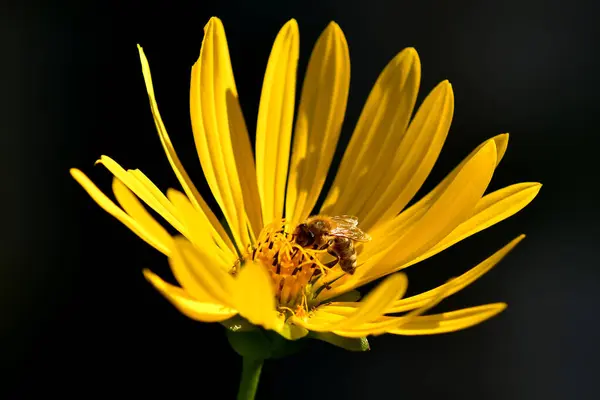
(251, 369)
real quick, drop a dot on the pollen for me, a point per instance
(297, 272)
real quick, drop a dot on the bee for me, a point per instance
(336, 234)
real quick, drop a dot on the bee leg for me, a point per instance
(332, 264)
(324, 246)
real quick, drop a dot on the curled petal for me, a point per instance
(136, 210)
(110, 207)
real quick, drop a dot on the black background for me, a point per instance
(77, 316)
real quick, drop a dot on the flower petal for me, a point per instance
(201, 274)
(275, 119)
(501, 142)
(415, 211)
(425, 300)
(491, 209)
(139, 184)
(199, 311)
(193, 221)
(140, 190)
(221, 137)
(110, 207)
(372, 306)
(414, 159)
(384, 323)
(379, 132)
(319, 121)
(253, 296)
(456, 284)
(451, 207)
(156, 194)
(136, 210)
(449, 321)
(182, 176)
(199, 230)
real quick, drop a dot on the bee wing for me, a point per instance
(345, 220)
(347, 226)
(351, 232)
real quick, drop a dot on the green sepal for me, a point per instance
(251, 344)
(351, 344)
(283, 347)
(262, 344)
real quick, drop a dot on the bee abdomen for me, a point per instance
(348, 265)
(344, 249)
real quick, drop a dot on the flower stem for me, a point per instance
(251, 369)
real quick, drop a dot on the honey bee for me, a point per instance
(336, 234)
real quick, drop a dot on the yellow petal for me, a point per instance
(415, 211)
(372, 306)
(414, 159)
(140, 190)
(455, 284)
(367, 329)
(319, 121)
(199, 230)
(156, 194)
(221, 137)
(321, 321)
(136, 210)
(110, 207)
(275, 118)
(384, 323)
(378, 134)
(254, 297)
(450, 321)
(201, 274)
(384, 233)
(491, 209)
(199, 311)
(501, 146)
(450, 208)
(501, 142)
(342, 308)
(180, 211)
(182, 176)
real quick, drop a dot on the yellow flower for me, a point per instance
(253, 265)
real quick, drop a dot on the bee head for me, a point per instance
(304, 236)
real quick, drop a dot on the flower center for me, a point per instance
(298, 273)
